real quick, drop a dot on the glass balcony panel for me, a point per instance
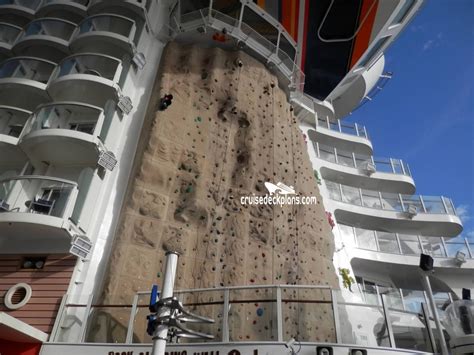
(383, 166)
(434, 205)
(409, 244)
(413, 299)
(140, 335)
(456, 245)
(333, 189)
(327, 153)
(30, 4)
(413, 201)
(371, 199)
(230, 8)
(366, 239)
(261, 26)
(433, 246)
(333, 126)
(361, 160)
(449, 205)
(391, 202)
(347, 232)
(188, 6)
(35, 195)
(12, 121)
(25, 68)
(351, 195)
(345, 159)
(107, 23)
(253, 315)
(66, 116)
(388, 242)
(409, 331)
(54, 28)
(100, 66)
(393, 297)
(287, 48)
(257, 37)
(233, 22)
(108, 324)
(8, 33)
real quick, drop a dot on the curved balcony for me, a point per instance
(8, 35)
(136, 9)
(33, 207)
(91, 78)
(382, 174)
(390, 212)
(349, 137)
(46, 38)
(107, 34)
(64, 133)
(12, 122)
(70, 10)
(18, 12)
(406, 248)
(23, 82)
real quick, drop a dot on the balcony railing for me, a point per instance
(407, 244)
(35, 69)
(272, 313)
(12, 121)
(116, 24)
(53, 27)
(67, 116)
(359, 161)
(37, 195)
(353, 129)
(80, 2)
(29, 4)
(9, 33)
(389, 201)
(98, 65)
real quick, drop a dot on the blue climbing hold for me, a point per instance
(259, 312)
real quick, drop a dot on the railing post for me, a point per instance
(422, 203)
(59, 319)
(468, 248)
(444, 205)
(225, 317)
(420, 244)
(361, 198)
(340, 192)
(381, 200)
(328, 123)
(279, 315)
(399, 244)
(133, 313)
(335, 156)
(402, 299)
(356, 126)
(388, 322)
(354, 160)
(335, 310)
(339, 125)
(377, 245)
(86, 319)
(426, 316)
(317, 150)
(401, 202)
(393, 166)
(402, 166)
(444, 247)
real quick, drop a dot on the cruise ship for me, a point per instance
(132, 130)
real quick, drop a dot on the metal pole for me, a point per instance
(161, 333)
(429, 293)
(426, 315)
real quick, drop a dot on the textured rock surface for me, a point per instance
(229, 130)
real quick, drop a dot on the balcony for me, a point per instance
(18, 12)
(12, 121)
(8, 35)
(349, 137)
(64, 133)
(390, 212)
(69, 10)
(382, 174)
(90, 78)
(46, 38)
(23, 82)
(390, 247)
(108, 34)
(33, 207)
(136, 9)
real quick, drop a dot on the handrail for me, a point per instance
(342, 127)
(39, 177)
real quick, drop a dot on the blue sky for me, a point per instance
(425, 114)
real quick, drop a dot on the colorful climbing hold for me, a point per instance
(259, 312)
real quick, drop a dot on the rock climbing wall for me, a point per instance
(228, 130)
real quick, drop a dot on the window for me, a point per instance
(15, 130)
(82, 127)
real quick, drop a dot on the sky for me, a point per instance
(425, 114)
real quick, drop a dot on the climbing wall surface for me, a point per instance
(228, 130)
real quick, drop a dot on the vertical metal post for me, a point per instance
(241, 16)
(317, 150)
(279, 315)
(356, 126)
(399, 244)
(426, 315)
(361, 198)
(444, 246)
(335, 310)
(393, 166)
(225, 317)
(422, 203)
(401, 202)
(402, 299)
(339, 125)
(340, 192)
(354, 160)
(444, 205)
(161, 333)
(59, 319)
(381, 201)
(335, 156)
(86, 318)
(328, 123)
(402, 166)
(388, 322)
(429, 292)
(377, 245)
(133, 313)
(468, 248)
(420, 244)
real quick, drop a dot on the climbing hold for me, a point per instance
(189, 189)
(259, 312)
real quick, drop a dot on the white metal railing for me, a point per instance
(243, 32)
(359, 161)
(12, 120)
(71, 116)
(53, 27)
(9, 33)
(353, 129)
(252, 313)
(407, 244)
(30, 68)
(390, 201)
(37, 195)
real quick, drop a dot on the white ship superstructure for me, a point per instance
(76, 79)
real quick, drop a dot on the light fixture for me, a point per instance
(81, 246)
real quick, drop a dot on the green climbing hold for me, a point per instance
(198, 119)
(189, 189)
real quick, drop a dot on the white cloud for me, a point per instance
(428, 44)
(434, 42)
(463, 213)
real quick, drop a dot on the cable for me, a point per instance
(336, 40)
